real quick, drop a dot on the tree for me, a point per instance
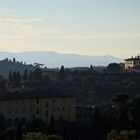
(113, 67)
(54, 137)
(61, 74)
(2, 83)
(38, 65)
(35, 136)
(30, 75)
(13, 76)
(19, 133)
(25, 75)
(120, 100)
(134, 112)
(10, 75)
(98, 124)
(113, 135)
(18, 78)
(38, 74)
(91, 69)
(92, 96)
(51, 126)
(14, 60)
(123, 135)
(47, 81)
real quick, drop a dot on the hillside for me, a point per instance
(7, 65)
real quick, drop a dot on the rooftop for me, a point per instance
(133, 58)
(31, 95)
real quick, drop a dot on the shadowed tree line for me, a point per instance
(113, 92)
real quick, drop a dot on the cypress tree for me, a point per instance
(10, 75)
(62, 75)
(19, 133)
(25, 75)
(30, 75)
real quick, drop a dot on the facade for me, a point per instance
(26, 107)
(132, 62)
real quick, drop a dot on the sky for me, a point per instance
(89, 27)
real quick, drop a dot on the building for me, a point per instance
(26, 107)
(84, 113)
(132, 62)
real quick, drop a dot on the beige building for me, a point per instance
(132, 62)
(26, 107)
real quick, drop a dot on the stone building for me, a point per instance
(130, 63)
(25, 107)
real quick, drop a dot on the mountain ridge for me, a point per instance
(53, 59)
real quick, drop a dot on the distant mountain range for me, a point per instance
(53, 59)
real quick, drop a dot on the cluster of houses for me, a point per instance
(24, 106)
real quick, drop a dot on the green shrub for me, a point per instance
(54, 137)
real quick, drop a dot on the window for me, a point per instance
(37, 101)
(46, 104)
(37, 111)
(63, 108)
(46, 113)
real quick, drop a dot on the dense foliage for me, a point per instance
(114, 95)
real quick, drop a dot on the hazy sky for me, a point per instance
(92, 27)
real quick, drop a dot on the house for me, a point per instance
(132, 62)
(25, 107)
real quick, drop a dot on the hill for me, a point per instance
(53, 59)
(7, 65)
